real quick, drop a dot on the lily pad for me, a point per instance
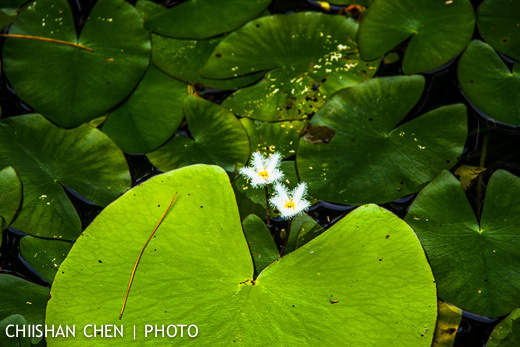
(372, 157)
(150, 116)
(439, 31)
(84, 84)
(448, 322)
(10, 196)
(268, 138)
(507, 332)
(47, 158)
(184, 59)
(309, 56)
(198, 271)
(261, 244)
(499, 24)
(488, 83)
(45, 256)
(22, 297)
(211, 17)
(9, 10)
(218, 138)
(13, 339)
(472, 261)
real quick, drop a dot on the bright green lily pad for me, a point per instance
(47, 158)
(184, 59)
(261, 243)
(150, 116)
(199, 19)
(372, 157)
(268, 138)
(218, 138)
(488, 83)
(499, 24)
(507, 332)
(22, 297)
(84, 84)
(45, 256)
(198, 270)
(10, 196)
(439, 31)
(310, 56)
(472, 261)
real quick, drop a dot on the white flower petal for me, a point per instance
(258, 161)
(249, 172)
(300, 191)
(273, 162)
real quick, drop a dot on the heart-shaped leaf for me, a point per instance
(351, 285)
(47, 158)
(488, 83)
(150, 116)
(212, 17)
(311, 55)
(184, 59)
(218, 138)
(498, 22)
(372, 157)
(439, 31)
(45, 256)
(10, 196)
(84, 84)
(472, 261)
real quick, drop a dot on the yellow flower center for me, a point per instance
(289, 204)
(264, 174)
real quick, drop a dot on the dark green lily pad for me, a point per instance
(310, 56)
(499, 24)
(488, 83)
(218, 138)
(22, 297)
(84, 84)
(372, 157)
(507, 332)
(281, 137)
(198, 270)
(150, 116)
(199, 19)
(13, 339)
(472, 261)
(10, 196)
(47, 158)
(439, 31)
(45, 256)
(184, 59)
(261, 244)
(9, 10)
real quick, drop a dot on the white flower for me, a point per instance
(264, 170)
(290, 203)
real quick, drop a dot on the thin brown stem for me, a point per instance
(40, 38)
(480, 177)
(286, 238)
(268, 209)
(140, 254)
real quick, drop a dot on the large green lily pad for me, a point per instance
(199, 19)
(10, 196)
(472, 261)
(150, 116)
(84, 84)
(488, 83)
(309, 56)
(47, 158)
(499, 23)
(439, 31)
(218, 138)
(372, 157)
(198, 270)
(184, 59)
